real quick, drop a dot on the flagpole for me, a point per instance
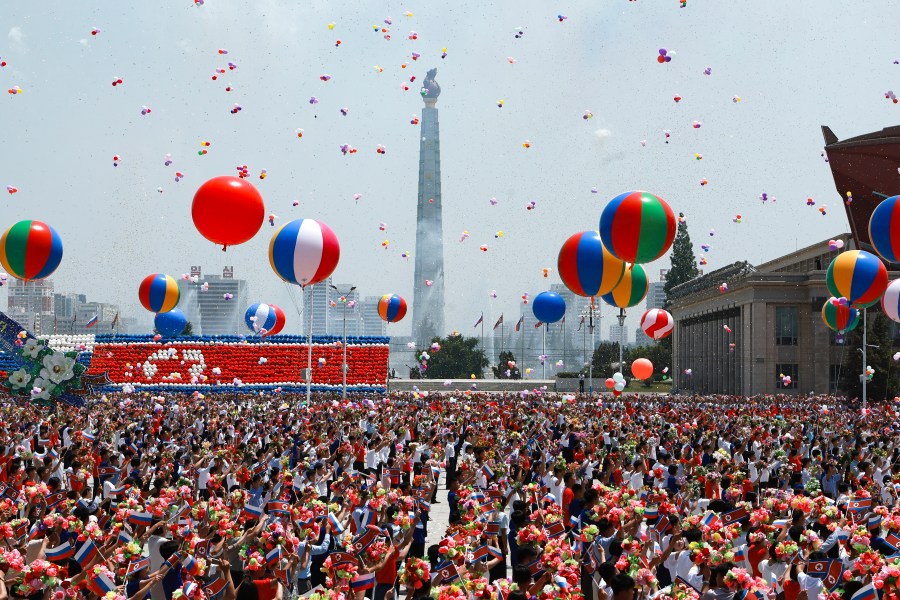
(482, 333)
(502, 337)
(522, 319)
(591, 363)
(544, 351)
(387, 374)
(309, 349)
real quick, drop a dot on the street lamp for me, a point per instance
(344, 300)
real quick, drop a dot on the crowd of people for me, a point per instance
(270, 497)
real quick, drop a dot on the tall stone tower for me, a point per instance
(428, 301)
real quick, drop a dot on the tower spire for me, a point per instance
(428, 300)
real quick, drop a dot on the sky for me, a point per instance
(795, 66)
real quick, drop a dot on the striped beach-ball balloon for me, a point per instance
(586, 267)
(304, 252)
(839, 317)
(890, 302)
(159, 293)
(657, 323)
(30, 250)
(638, 227)
(631, 290)
(266, 317)
(884, 229)
(858, 276)
(391, 308)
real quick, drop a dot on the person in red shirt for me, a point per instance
(567, 496)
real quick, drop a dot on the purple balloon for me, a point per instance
(668, 59)
(663, 51)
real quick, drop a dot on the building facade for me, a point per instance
(428, 294)
(316, 307)
(340, 312)
(218, 315)
(767, 324)
(372, 323)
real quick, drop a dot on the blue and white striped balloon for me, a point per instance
(263, 316)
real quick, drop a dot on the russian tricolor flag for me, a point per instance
(487, 470)
(363, 582)
(91, 322)
(88, 436)
(103, 583)
(60, 553)
(273, 556)
(140, 518)
(252, 512)
(86, 553)
(190, 565)
(709, 519)
(866, 592)
(335, 524)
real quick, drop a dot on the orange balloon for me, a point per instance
(642, 369)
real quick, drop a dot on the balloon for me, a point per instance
(884, 229)
(619, 386)
(159, 293)
(228, 210)
(548, 307)
(304, 252)
(587, 267)
(617, 377)
(392, 308)
(657, 323)
(170, 324)
(266, 317)
(631, 290)
(858, 276)
(839, 317)
(642, 369)
(890, 302)
(30, 250)
(610, 383)
(637, 227)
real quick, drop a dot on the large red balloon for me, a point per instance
(228, 210)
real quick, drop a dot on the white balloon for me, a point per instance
(617, 377)
(620, 386)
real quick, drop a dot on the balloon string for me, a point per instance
(224, 248)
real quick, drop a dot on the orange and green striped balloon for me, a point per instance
(30, 250)
(631, 290)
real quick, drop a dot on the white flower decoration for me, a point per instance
(42, 388)
(19, 379)
(32, 348)
(58, 368)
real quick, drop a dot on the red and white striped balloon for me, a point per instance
(890, 302)
(657, 323)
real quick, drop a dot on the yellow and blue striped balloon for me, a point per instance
(858, 276)
(631, 290)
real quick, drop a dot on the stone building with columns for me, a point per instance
(767, 324)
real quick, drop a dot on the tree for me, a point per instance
(605, 355)
(886, 381)
(659, 354)
(500, 371)
(683, 269)
(458, 358)
(684, 263)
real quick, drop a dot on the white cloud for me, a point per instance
(16, 39)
